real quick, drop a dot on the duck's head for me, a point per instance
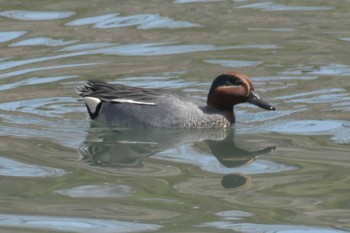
(233, 88)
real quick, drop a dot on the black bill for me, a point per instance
(253, 98)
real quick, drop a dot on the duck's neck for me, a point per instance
(224, 98)
(229, 115)
(222, 101)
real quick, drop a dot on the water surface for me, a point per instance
(281, 171)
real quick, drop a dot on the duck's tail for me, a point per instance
(88, 88)
(93, 104)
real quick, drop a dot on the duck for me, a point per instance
(119, 105)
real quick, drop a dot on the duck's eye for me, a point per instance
(236, 82)
(239, 82)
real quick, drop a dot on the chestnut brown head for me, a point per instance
(233, 88)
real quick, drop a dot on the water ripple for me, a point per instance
(162, 80)
(73, 224)
(264, 228)
(11, 167)
(48, 107)
(46, 41)
(344, 106)
(248, 117)
(87, 46)
(42, 118)
(338, 130)
(344, 39)
(11, 35)
(165, 48)
(234, 214)
(97, 191)
(330, 98)
(37, 15)
(328, 69)
(271, 6)
(283, 78)
(342, 135)
(33, 81)
(30, 70)
(334, 96)
(306, 127)
(207, 162)
(273, 83)
(196, 1)
(59, 132)
(234, 63)
(157, 49)
(272, 29)
(142, 49)
(141, 21)
(317, 92)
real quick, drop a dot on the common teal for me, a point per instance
(126, 106)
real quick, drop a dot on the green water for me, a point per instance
(279, 171)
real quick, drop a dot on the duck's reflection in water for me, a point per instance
(130, 147)
(232, 156)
